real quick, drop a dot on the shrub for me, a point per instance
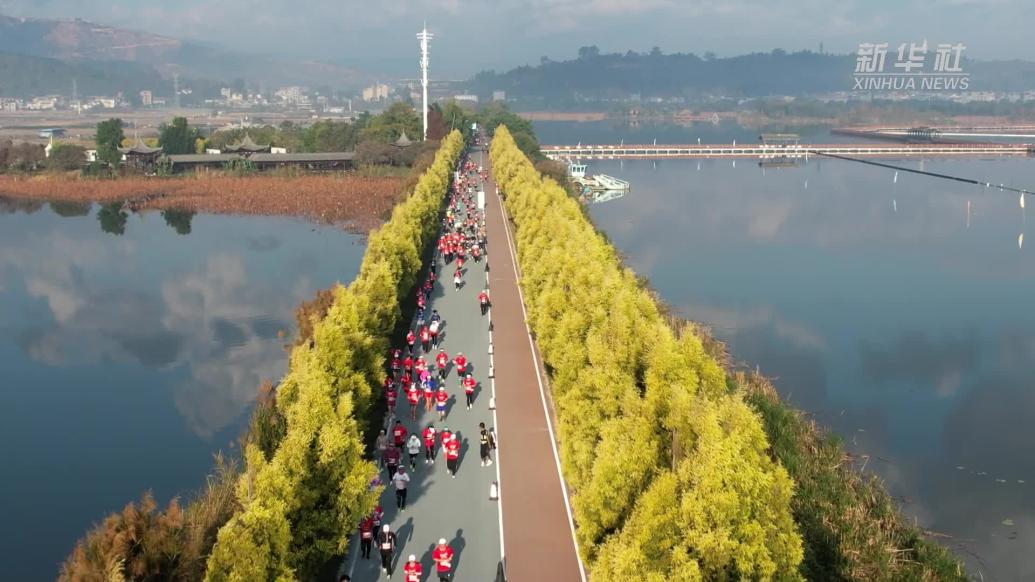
(654, 448)
(301, 503)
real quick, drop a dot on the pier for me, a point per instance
(616, 152)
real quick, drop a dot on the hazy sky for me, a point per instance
(478, 34)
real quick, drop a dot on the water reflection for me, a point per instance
(112, 216)
(129, 359)
(897, 313)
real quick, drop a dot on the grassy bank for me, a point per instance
(852, 528)
(679, 469)
(304, 483)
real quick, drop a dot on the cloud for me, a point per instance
(918, 360)
(211, 322)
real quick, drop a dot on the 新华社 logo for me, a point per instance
(913, 67)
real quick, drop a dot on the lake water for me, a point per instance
(897, 312)
(129, 359)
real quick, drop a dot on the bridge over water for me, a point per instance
(609, 152)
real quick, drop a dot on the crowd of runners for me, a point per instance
(425, 373)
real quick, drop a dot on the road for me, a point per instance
(458, 509)
(529, 529)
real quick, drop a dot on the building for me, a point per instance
(499, 95)
(376, 92)
(43, 103)
(328, 161)
(246, 147)
(403, 141)
(291, 95)
(146, 99)
(52, 132)
(140, 157)
(466, 98)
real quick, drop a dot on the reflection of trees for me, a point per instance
(112, 218)
(179, 220)
(12, 205)
(70, 209)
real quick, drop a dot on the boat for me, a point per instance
(598, 187)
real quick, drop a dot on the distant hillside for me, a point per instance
(599, 76)
(80, 41)
(24, 76)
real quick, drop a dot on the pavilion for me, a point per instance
(403, 141)
(140, 156)
(246, 147)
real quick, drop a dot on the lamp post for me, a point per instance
(424, 36)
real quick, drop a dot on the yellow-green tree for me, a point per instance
(670, 474)
(300, 506)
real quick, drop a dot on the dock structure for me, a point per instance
(766, 150)
(944, 134)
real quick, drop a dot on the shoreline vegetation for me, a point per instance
(724, 481)
(290, 507)
(358, 201)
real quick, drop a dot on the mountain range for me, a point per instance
(595, 76)
(47, 49)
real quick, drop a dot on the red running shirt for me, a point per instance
(443, 556)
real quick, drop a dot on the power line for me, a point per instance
(923, 172)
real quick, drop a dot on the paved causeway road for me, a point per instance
(535, 520)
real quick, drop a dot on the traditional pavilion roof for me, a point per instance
(403, 141)
(247, 145)
(140, 149)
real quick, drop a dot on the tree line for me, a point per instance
(669, 468)
(303, 495)
(305, 480)
(680, 470)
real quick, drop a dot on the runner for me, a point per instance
(381, 443)
(460, 361)
(441, 400)
(377, 516)
(392, 457)
(429, 393)
(442, 360)
(434, 328)
(443, 557)
(453, 455)
(398, 433)
(429, 435)
(469, 384)
(386, 541)
(366, 536)
(411, 338)
(486, 444)
(425, 338)
(413, 446)
(391, 396)
(413, 397)
(412, 570)
(483, 301)
(457, 280)
(401, 480)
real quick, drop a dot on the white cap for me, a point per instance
(412, 558)
(386, 528)
(442, 541)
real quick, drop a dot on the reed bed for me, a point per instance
(359, 201)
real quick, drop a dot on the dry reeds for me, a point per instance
(360, 201)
